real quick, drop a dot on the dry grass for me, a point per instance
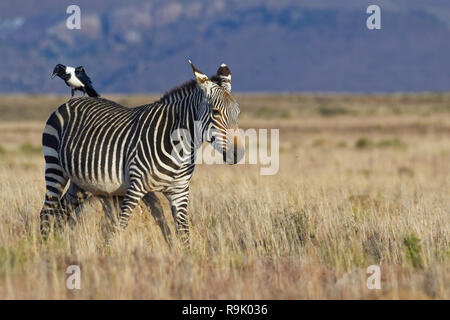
(354, 189)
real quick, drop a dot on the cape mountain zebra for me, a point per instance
(123, 155)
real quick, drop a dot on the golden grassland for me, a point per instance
(363, 180)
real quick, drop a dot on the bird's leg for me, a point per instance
(73, 92)
(84, 91)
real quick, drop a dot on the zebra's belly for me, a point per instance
(102, 188)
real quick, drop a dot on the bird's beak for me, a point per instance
(54, 75)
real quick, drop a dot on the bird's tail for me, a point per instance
(91, 92)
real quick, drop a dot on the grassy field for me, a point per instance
(363, 180)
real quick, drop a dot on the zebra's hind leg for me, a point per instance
(154, 206)
(55, 181)
(72, 203)
(178, 204)
(111, 207)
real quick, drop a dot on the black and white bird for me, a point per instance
(76, 79)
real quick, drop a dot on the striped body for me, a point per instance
(103, 145)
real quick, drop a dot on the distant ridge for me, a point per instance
(283, 46)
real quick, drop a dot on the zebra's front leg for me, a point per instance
(132, 197)
(178, 204)
(154, 206)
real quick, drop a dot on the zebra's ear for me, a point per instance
(200, 76)
(224, 75)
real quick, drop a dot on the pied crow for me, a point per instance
(75, 78)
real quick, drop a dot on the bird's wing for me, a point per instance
(91, 91)
(81, 74)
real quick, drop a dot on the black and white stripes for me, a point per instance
(124, 154)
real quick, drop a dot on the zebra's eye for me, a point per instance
(216, 112)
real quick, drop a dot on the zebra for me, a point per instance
(123, 155)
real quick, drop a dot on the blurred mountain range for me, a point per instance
(272, 46)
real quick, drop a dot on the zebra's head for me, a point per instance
(223, 112)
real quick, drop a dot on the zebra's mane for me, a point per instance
(188, 86)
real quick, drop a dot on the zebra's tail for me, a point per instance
(55, 177)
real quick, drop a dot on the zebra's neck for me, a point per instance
(190, 111)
